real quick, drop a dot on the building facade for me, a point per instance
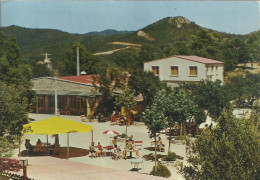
(76, 95)
(177, 69)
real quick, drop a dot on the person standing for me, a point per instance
(160, 144)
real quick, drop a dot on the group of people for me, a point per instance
(130, 147)
(29, 146)
(96, 150)
(120, 118)
(117, 152)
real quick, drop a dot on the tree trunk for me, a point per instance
(56, 145)
(181, 130)
(126, 122)
(19, 138)
(170, 138)
(155, 154)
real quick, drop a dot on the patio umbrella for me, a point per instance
(56, 125)
(110, 133)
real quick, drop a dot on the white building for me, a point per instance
(177, 69)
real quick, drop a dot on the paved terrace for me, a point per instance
(83, 167)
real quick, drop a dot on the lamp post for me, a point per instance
(24, 163)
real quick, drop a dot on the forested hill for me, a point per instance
(34, 42)
(128, 49)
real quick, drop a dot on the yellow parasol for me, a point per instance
(56, 125)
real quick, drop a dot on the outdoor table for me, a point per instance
(136, 162)
(109, 149)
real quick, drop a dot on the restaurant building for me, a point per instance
(76, 95)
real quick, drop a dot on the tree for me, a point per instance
(154, 119)
(15, 90)
(145, 83)
(13, 114)
(87, 61)
(106, 82)
(210, 96)
(245, 90)
(13, 109)
(205, 43)
(126, 100)
(231, 151)
(253, 45)
(179, 108)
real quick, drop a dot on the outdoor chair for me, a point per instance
(139, 144)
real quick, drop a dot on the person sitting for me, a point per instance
(28, 145)
(117, 152)
(160, 144)
(136, 150)
(114, 141)
(92, 149)
(122, 121)
(39, 143)
(113, 118)
(127, 148)
(131, 138)
(100, 150)
(130, 146)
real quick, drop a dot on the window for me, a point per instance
(174, 71)
(155, 70)
(193, 71)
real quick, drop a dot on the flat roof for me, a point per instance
(67, 93)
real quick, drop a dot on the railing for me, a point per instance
(13, 176)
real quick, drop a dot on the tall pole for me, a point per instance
(0, 13)
(56, 97)
(77, 61)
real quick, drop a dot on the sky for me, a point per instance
(79, 16)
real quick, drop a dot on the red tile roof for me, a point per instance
(200, 59)
(85, 79)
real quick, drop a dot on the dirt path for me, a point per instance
(110, 52)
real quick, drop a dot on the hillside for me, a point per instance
(108, 32)
(168, 31)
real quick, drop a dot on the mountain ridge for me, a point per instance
(167, 31)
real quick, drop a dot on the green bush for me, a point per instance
(170, 157)
(180, 138)
(124, 135)
(162, 171)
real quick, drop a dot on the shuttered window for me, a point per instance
(155, 70)
(174, 71)
(193, 71)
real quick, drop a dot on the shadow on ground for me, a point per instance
(150, 157)
(74, 152)
(135, 169)
(150, 148)
(153, 149)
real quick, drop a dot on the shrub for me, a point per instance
(124, 135)
(180, 138)
(170, 157)
(162, 171)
